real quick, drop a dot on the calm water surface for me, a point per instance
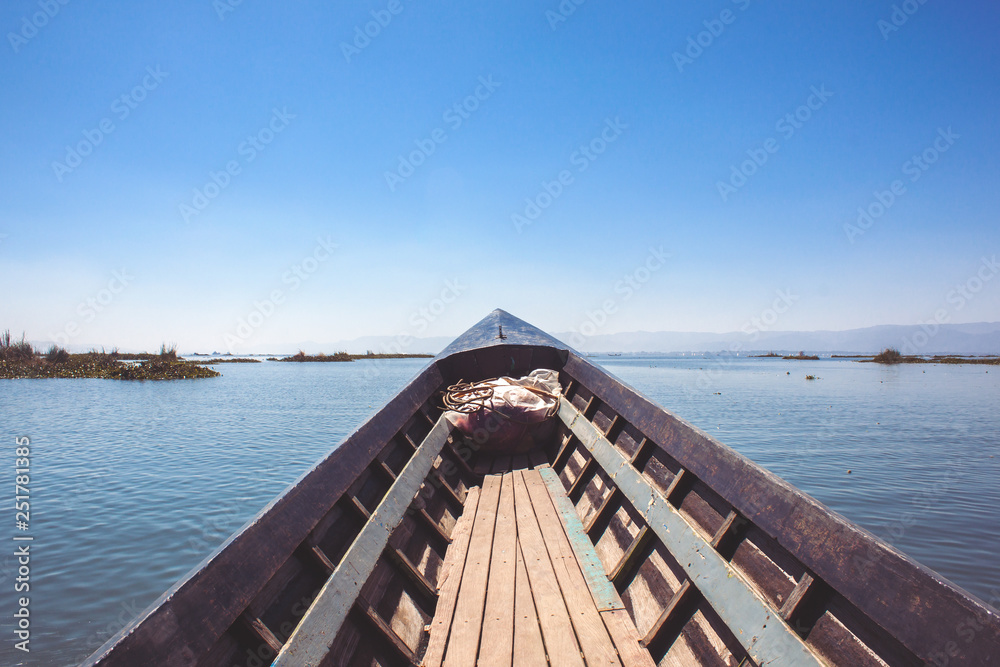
(133, 484)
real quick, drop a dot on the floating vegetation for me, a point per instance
(892, 356)
(811, 377)
(889, 355)
(226, 360)
(344, 356)
(20, 360)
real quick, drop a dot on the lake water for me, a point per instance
(133, 484)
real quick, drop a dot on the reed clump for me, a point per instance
(889, 355)
(15, 351)
(20, 360)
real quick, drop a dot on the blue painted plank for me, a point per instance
(604, 593)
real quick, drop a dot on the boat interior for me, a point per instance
(627, 538)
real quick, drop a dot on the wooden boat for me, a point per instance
(632, 538)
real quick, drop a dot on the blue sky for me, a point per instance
(311, 128)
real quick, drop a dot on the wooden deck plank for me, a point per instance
(553, 617)
(605, 596)
(528, 645)
(450, 580)
(497, 643)
(590, 630)
(626, 638)
(463, 641)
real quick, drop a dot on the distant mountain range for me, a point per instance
(979, 338)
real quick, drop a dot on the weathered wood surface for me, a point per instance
(466, 626)
(767, 641)
(451, 579)
(926, 613)
(497, 647)
(189, 618)
(537, 608)
(311, 641)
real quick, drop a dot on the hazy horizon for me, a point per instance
(234, 176)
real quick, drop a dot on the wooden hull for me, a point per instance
(633, 538)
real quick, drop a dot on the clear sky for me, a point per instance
(168, 168)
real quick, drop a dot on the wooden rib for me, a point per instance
(382, 467)
(450, 580)
(564, 450)
(463, 641)
(676, 486)
(528, 645)
(259, 630)
(440, 482)
(728, 526)
(616, 422)
(321, 558)
(642, 453)
(366, 611)
(361, 509)
(405, 566)
(498, 621)
(607, 505)
(590, 631)
(433, 525)
(588, 470)
(626, 638)
(462, 463)
(409, 440)
(557, 628)
(669, 617)
(794, 601)
(628, 560)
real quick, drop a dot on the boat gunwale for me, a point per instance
(220, 571)
(907, 599)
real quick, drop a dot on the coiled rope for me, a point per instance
(468, 398)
